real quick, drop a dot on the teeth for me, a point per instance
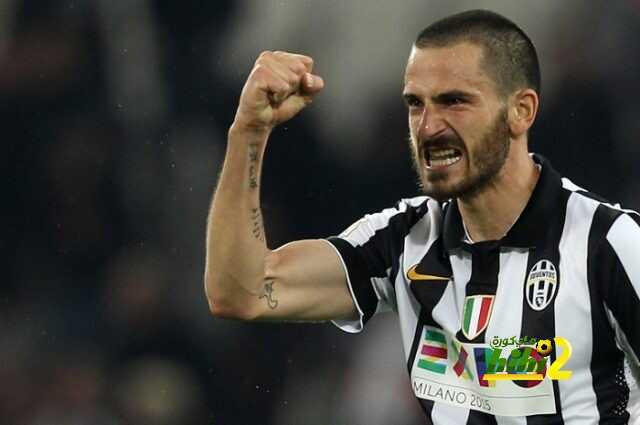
(443, 162)
(442, 153)
(442, 157)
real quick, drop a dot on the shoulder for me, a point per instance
(398, 219)
(409, 210)
(596, 207)
(610, 224)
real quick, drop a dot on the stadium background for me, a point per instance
(113, 120)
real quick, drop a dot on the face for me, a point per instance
(458, 125)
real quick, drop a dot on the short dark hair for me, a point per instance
(509, 55)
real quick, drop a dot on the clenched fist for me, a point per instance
(280, 85)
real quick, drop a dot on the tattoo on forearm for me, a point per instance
(269, 295)
(253, 165)
(256, 221)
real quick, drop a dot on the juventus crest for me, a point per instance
(541, 285)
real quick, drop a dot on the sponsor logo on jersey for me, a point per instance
(461, 368)
(433, 354)
(413, 275)
(541, 285)
(513, 381)
(476, 313)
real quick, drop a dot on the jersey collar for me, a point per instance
(531, 228)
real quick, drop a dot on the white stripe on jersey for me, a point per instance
(461, 266)
(415, 247)
(447, 414)
(623, 237)
(569, 185)
(384, 293)
(445, 312)
(573, 321)
(511, 420)
(362, 230)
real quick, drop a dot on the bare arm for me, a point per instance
(244, 279)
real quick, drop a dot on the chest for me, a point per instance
(488, 314)
(506, 295)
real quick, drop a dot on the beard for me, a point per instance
(483, 162)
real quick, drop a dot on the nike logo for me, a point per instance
(412, 274)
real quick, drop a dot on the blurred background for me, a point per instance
(113, 120)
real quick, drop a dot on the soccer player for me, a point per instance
(502, 251)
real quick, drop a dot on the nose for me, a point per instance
(430, 125)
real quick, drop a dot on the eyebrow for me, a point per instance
(443, 97)
(448, 95)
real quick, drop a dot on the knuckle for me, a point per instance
(259, 70)
(293, 79)
(299, 67)
(265, 54)
(285, 86)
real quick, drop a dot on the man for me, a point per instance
(501, 252)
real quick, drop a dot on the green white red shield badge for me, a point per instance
(476, 313)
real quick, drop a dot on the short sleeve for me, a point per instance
(620, 260)
(370, 250)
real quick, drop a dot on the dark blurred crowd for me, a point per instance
(113, 116)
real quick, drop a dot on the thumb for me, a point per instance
(311, 84)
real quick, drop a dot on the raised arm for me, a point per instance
(244, 279)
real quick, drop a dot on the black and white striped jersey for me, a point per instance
(470, 314)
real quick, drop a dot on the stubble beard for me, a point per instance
(484, 164)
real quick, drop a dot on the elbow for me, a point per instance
(221, 310)
(226, 307)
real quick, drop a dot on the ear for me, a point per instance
(523, 107)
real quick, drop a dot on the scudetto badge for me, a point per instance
(542, 284)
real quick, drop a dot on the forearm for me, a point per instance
(236, 242)
(240, 271)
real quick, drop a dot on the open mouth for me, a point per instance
(442, 157)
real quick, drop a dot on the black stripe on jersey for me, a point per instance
(541, 324)
(371, 259)
(427, 408)
(426, 405)
(480, 418)
(428, 294)
(608, 284)
(485, 266)
(417, 336)
(359, 277)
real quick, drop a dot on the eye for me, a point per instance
(454, 100)
(412, 101)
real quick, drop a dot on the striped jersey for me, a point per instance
(539, 327)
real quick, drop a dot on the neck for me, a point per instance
(490, 213)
